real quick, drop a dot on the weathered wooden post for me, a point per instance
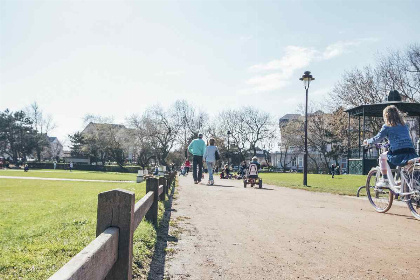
(152, 184)
(116, 209)
(167, 185)
(162, 182)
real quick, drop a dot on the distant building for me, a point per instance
(291, 157)
(54, 149)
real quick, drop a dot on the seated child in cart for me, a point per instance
(225, 174)
(254, 166)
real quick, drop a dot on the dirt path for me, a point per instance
(228, 232)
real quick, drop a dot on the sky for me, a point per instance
(116, 58)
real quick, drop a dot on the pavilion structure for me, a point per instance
(359, 160)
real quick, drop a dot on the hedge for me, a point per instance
(84, 167)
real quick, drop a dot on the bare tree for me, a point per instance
(231, 120)
(143, 149)
(291, 142)
(161, 129)
(398, 70)
(189, 122)
(395, 70)
(42, 125)
(259, 126)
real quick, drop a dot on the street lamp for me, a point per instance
(228, 134)
(306, 78)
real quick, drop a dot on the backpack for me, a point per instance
(216, 155)
(253, 170)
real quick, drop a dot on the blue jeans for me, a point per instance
(210, 165)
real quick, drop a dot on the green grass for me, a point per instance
(45, 223)
(341, 184)
(89, 175)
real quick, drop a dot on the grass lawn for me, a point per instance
(341, 184)
(89, 175)
(45, 223)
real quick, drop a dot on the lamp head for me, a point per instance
(307, 78)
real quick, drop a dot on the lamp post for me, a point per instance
(228, 134)
(306, 78)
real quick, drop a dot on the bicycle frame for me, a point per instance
(408, 187)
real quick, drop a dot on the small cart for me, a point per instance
(251, 176)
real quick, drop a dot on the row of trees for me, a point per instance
(163, 135)
(24, 133)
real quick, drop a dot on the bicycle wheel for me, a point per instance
(414, 205)
(413, 201)
(381, 199)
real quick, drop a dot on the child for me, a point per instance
(401, 148)
(187, 165)
(253, 173)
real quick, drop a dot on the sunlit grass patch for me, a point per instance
(75, 174)
(340, 184)
(45, 223)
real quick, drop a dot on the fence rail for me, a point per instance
(110, 255)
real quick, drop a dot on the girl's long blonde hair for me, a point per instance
(393, 116)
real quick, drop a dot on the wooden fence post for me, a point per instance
(116, 209)
(162, 181)
(167, 185)
(152, 214)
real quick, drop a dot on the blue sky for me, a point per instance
(115, 58)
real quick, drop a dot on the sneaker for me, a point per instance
(383, 184)
(212, 182)
(195, 182)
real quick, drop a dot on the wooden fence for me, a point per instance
(110, 255)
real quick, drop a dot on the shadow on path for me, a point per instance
(157, 266)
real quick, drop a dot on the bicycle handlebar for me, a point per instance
(376, 145)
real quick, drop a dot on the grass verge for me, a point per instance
(340, 184)
(45, 223)
(87, 175)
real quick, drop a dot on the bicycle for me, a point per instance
(403, 183)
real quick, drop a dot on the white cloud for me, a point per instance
(170, 73)
(295, 58)
(268, 82)
(337, 49)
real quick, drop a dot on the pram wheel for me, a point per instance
(244, 183)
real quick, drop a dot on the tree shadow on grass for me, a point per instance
(157, 266)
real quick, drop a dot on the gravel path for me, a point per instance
(228, 232)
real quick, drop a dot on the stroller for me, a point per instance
(251, 176)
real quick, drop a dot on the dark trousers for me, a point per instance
(197, 160)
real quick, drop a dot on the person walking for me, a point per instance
(210, 158)
(332, 170)
(71, 166)
(197, 148)
(187, 166)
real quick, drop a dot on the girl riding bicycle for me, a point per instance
(401, 148)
